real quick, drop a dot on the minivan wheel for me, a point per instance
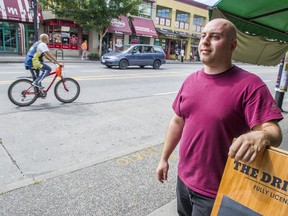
(123, 64)
(156, 64)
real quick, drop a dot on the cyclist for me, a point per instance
(34, 59)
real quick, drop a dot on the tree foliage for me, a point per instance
(93, 14)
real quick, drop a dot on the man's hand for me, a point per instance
(248, 146)
(162, 171)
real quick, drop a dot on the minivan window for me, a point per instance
(123, 48)
(158, 49)
(148, 49)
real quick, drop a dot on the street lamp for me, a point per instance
(35, 22)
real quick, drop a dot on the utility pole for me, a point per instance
(282, 82)
(35, 21)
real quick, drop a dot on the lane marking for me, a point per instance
(115, 77)
(165, 93)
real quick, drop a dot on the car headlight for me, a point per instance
(113, 57)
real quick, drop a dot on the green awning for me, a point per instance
(266, 18)
(262, 28)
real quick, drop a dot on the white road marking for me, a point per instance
(165, 93)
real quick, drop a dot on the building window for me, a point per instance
(145, 9)
(182, 17)
(198, 23)
(163, 16)
(182, 20)
(163, 12)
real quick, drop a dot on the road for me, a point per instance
(119, 113)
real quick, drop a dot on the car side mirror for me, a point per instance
(133, 51)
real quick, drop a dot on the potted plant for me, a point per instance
(93, 56)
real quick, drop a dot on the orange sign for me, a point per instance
(259, 188)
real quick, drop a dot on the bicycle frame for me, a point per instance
(57, 73)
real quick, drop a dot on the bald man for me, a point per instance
(216, 104)
(34, 59)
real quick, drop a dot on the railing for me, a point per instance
(60, 51)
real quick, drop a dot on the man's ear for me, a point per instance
(233, 44)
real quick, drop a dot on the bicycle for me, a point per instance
(22, 93)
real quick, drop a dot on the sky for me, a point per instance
(207, 2)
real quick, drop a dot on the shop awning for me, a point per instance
(120, 26)
(17, 10)
(265, 18)
(167, 32)
(144, 27)
(262, 29)
(183, 34)
(196, 36)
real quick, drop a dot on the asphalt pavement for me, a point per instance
(93, 187)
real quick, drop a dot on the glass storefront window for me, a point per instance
(63, 37)
(74, 36)
(138, 40)
(8, 37)
(156, 41)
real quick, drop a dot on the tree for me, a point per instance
(93, 14)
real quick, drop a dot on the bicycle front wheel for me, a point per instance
(22, 93)
(67, 90)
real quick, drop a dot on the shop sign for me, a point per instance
(134, 41)
(65, 46)
(259, 188)
(74, 46)
(117, 23)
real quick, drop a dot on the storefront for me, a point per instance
(185, 42)
(143, 31)
(118, 34)
(16, 26)
(194, 47)
(64, 35)
(168, 40)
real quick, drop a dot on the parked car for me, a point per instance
(135, 54)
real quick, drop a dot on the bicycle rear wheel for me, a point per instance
(67, 90)
(22, 93)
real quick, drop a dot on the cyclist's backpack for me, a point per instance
(30, 55)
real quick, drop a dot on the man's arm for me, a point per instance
(51, 57)
(249, 146)
(173, 136)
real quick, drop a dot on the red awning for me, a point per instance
(120, 26)
(17, 10)
(144, 27)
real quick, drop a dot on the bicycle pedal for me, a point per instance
(43, 95)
